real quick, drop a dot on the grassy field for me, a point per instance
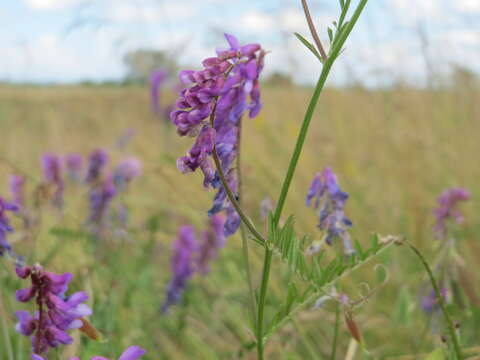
(393, 150)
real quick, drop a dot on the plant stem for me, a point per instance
(313, 31)
(335, 332)
(441, 302)
(246, 258)
(294, 161)
(6, 336)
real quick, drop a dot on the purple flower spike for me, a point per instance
(228, 84)
(126, 171)
(5, 227)
(184, 248)
(212, 240)
(96, 162)
(330, 200)
(73, 163)
(448, 209)
(52, 174)
(100, 197)
(56, 313)
(429, 303)
(157, 78)
(17, 190)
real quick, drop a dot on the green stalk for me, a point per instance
(441, 302)
(243, 234)
(335, 333)
(293, 165)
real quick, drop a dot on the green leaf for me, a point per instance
(437, 354)
(330, 34)
(309, 46)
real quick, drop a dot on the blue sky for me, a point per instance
(65, 41)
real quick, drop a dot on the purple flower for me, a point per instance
(228, 84)
(330, 200)
(96, 162)
(448, 209)
(56, 313)
(5, 225)
(157, 79)
(17, 191)
(429, 303)
(131, 353)
(126, 171)
(73, 163)
(100, 197)
(52, 174)
(212, 240)
(184, 249)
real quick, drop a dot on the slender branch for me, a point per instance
(441, 302)
(246, 258)
(313, 31)
(231, 197)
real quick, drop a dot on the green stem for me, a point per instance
(246, 258)
(335, 51)
(6, 336)
(335, 333)
(441, 302)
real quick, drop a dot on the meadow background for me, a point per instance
(394, 147)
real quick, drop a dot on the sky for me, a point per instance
(66, 41)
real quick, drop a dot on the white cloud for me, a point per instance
(257, 21)
(51, 4)
(468, 6)
(149, 12)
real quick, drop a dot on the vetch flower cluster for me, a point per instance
(448, 209)
(17, 189)
(190, 256)
(52, 174)
(330, 200)
(96, 162)
(56, 313)
(211, 108)
(5, 227)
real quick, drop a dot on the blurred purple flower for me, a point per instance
(330, 200)
(73, 163)
(100, 197)
(448, 209)
(131, 353)
(126, 171)
(52, 174)
(97, 160)
(17, 190)
(157, 79)
(429, 303)
(56, 313)
(212, 240)
(229, 84)
(184, 249)
(5, 225)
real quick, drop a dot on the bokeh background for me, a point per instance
(399, 123)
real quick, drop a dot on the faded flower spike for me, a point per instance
(5, 225)
(330, 200)
(126, 171)
(182, 265)
(17, 189)
(212, 240)
(211, 108)
(52, 174)
(131, 353)
(448, 209)
(100, 197)
(73, 164)
(56, 313)
(96, 162)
